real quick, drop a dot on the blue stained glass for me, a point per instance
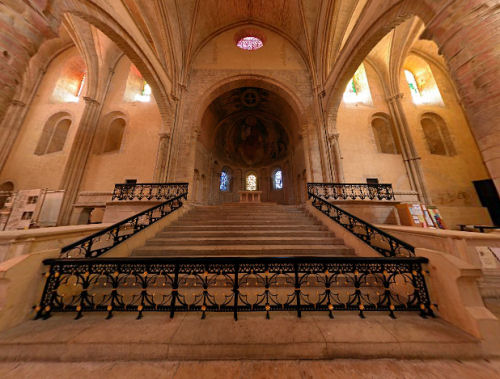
(278, 180)
(224, 181)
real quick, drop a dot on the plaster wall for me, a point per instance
(25, 169)
(136, 157)
(361, 159)
(448, 178)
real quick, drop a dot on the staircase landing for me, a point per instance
(186, 337)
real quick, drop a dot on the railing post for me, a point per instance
(236, 290)
(297, 288)
(175, 290)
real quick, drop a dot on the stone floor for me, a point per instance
(342, 368)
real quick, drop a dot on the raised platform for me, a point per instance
(186, 337)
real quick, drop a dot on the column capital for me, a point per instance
(395, 97)
(89, 100)
(18, 103)
(165, 135)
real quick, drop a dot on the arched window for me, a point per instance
(136, 88)
(437, 135)
(54, 134)
(423, 86)
(114, 135)
(71, 81)
(251, 182)
(412, 83)
(384, 134)
(224, 180)
(277, 179)
(358, 90)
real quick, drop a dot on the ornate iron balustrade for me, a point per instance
(352, 191)
(376, 238)
(266, 284)
(104, 240)
(148, 191)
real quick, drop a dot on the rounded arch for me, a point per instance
(111, 132)
(261, 81)
(386, 16)
(437, 135)
(384, 133)
(54, 133)
(253, 24)
(152, 71)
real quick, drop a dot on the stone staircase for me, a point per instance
(237, 229)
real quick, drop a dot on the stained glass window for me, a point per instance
(145, 95)
(278, 180)
(358, 90)
(80, 87)
(423, 87)
(250, 43)
(224, 181)
(251, 182)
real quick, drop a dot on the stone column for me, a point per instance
(410, 156)
(10, 128)
(160, 174)
(467, 33)
(335, 153)
(77, 160)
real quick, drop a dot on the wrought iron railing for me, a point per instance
(322, 284)
(104, 240)
(351, 191)
(376, 238)
(148, 191)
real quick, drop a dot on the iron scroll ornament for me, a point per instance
(234, 285)
(377, 239)
(99, 243)
(352, 191)
(148, 191)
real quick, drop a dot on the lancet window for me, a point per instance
(278, 179)
(251, 182)
(358, 90)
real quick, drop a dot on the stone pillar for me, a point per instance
(467, 33)
(10, 128)
(77, 159)
(334, 148)
(410, 156)
(160, 174)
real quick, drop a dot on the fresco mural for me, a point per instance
(252, 140)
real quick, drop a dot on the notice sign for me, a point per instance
(488, 258)
(24, 209)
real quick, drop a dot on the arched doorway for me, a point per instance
(247, 135)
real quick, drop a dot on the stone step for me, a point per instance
(237, 227)
(230, 240)
(245, 233)
(157, 337)
(243, 250)
(242, 222)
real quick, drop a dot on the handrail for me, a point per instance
(377, 239)
(235, 284)
(148, 191)
(352, 191)
(104, 240)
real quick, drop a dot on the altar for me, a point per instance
(250, 196)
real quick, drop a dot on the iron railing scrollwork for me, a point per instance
(104, 240)
(351, 191)
(377, 239)
(148, 191)
(235, 284)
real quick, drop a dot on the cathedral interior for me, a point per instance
(345, 151)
